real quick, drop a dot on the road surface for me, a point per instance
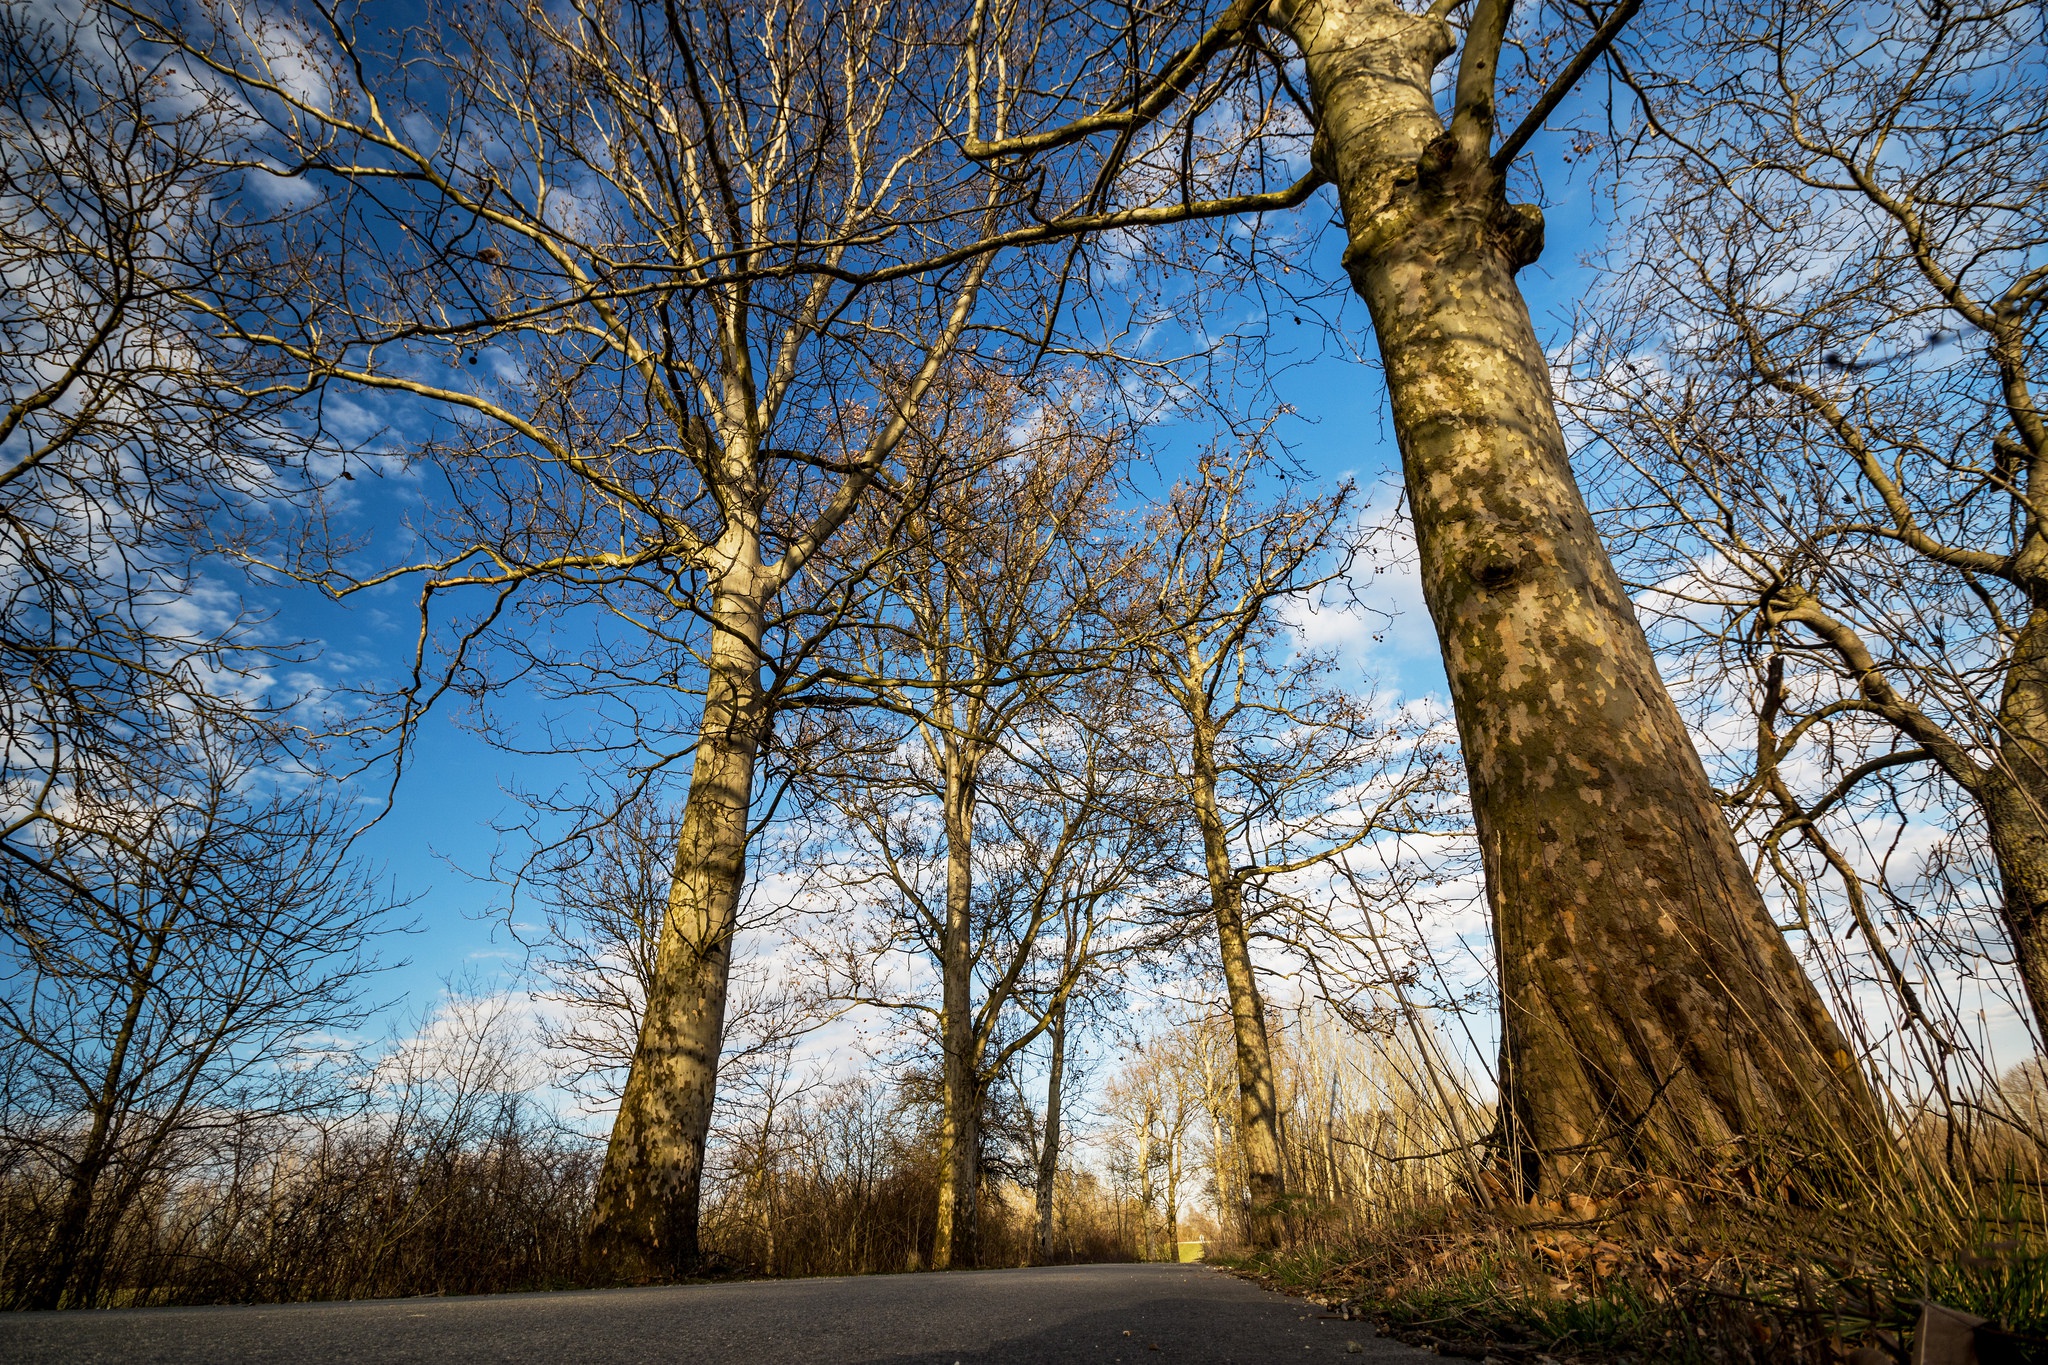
(1111, 1314)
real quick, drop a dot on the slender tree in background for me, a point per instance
(1132, 1106)
(1063, 851)
(1210, 1049)
(1284, 773)
(1157, 1108)
(1045, 1187)
(1829, 474)
(1651, 1011)
(989, 608)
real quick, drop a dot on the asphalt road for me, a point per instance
(1100, 1314)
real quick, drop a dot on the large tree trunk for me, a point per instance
(953, 1238)
(1049, 1151)
(645, 1221)
(1654, 1018)
(1258, 1106)
(2014, 798)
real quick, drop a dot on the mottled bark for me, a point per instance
(1653, 1016)
(1258, 1106)
(2014, 797)
(645, 1221)
(1049, 1148)
(954, 1238)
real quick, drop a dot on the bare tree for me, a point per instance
(1826, 474)
(179, 960)
(1045, 1188)
(989, 610)
(1158, 1106)
(1134, 1107)
(131, 446)
(1209, 1049)
(715, 261)
(180, 926)
(1049, 1134)
(1651, 1010)
(1284, 773)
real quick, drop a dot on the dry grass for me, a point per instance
(1723, 1275)
(1393, 1216)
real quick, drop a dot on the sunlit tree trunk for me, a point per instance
(1654, 1017)
(1258, 1107)
(2015, 803)
(645, 1222)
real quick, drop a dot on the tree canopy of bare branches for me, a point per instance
(131, 448)
(1821, 410)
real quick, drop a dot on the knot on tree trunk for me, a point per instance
(1438, 156)
(1518, 230)
(1495, 571)
(1497, 558)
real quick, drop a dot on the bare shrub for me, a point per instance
(848, 1183)
(448, 1179)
